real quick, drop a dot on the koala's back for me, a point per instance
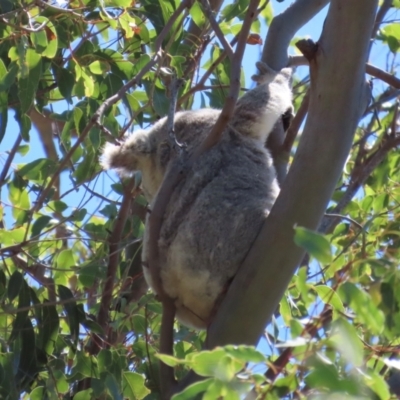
(212, 219)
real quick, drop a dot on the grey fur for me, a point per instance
(216, 212)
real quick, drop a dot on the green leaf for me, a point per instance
(51, 37)
(84, 395)
(24, 301)
(139, 323)
(391, 35)
(3, 282)
(245, 353)
(71, 310)
(3, 102)
(113, 387)
(7, 77)
(85, 365)
(197, 15)
(39, 40)
(41, 223)
(119, 3)
(48, 332)
(285, 311)
(346, 340)
(25, 125)
(362, 304)
(314, 243)
(377, 383)
(27, 85)
(93, 326)
(169, 360)
(57, 206)
(66, 259)
(14, 285)
(65, 81)
(23, 149)
(193, 390)
(99, 67)
(89, 274)
(329, 296)
(3, 115)
(215, 363)
(38, 393)
(133, 385)
(27, 368)
(144, 59)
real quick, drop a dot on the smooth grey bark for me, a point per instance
(337, 101)
(281, 31)
(283, 28)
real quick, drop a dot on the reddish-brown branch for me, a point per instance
(113, 260)
(376, 72)
(9, 160)
(310, 329)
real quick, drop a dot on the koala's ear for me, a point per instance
(126, 157)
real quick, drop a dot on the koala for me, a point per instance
(217, 210)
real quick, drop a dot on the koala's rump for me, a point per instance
(211, 221)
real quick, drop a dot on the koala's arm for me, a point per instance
(258, 110)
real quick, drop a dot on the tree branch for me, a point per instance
(337, 101)
(7, 164)
(281, 31)
(113, 260)
(283, 28)
(376, 72)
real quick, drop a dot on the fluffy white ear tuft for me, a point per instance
(109, 155)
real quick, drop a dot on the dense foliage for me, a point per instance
(70, 234)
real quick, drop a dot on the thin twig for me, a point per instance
(345, 217)
(372, 70)
(214, 24)
(8, 162)
(113, 260)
